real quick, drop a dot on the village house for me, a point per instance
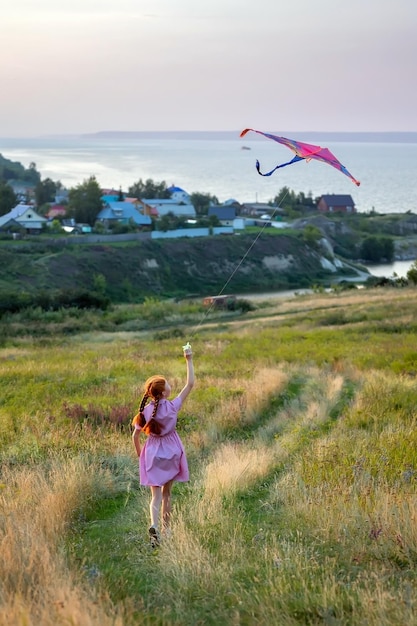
(146, 209)
(123, 213)
(25, 217)
(179, 204)
(56, 211)
(163, 206)
(333, 203)
(9, 225)
(179, 195)
(256, 209)
(225, 214)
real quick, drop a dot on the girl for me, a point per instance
(162, 458)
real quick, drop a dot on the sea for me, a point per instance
(223, 164)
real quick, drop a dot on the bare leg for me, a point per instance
(155, 505)
(166, 504)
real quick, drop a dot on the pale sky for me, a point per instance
(80, 66)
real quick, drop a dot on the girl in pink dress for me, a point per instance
(162, 458)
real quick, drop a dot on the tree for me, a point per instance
(14, 170)
(55, 227)
(149, 189)
(202, 201)
(8, 199)
(45, 191)
(31, 175)
(170, 221)
(412, 273)
(388, 249)
(294, 203)
(84, 201)
(286, 198)
(377, 249)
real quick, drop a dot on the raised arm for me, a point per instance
(190, 374)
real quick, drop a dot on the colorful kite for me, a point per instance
(303, 151)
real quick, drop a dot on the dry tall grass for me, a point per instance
(333, 549)
(37, 585)
(301, 507)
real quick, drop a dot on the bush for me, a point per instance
(412, 273)
(377, 249)
(14, 302)
(81, 299)
(240, 305)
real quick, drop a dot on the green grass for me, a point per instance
(300, 436)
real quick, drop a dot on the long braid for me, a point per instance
(153, 427)
(139, 418)
(153, 389)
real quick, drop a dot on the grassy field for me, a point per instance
(301, 440)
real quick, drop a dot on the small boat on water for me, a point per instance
(245, 148)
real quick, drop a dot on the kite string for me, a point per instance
(197, 326)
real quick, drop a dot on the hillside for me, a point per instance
(173, 267)
(301, 441)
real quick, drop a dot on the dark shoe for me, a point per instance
(153, 537)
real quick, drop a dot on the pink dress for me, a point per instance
(162, 457)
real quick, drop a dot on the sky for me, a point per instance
(84, 66)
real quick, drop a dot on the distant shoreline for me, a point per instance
(171, 135)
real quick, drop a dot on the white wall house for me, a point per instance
(163, 207)
(179, 195)
(26, 216)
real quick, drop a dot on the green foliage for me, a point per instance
(8, 198)
(155, 309)
(202, 201)
(301, 442)
(119, 228)
(293, 203)
(346, 245)
(13, 302)
(13, 170)
(377, 249)
(149, 189)
(100, 284)
(412, 273)
(56, 227)
(170, 221)
(240, 304)
(170, 333)
(45, 191)
(312, 235)
(84, 201)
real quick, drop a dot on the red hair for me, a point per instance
(154, 388)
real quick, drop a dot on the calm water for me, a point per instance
(399, 268)
(387, 171)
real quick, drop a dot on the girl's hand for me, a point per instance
(187, 350)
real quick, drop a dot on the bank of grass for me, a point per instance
(301, 442)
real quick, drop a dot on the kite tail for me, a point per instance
(258, 167)
(294, 160)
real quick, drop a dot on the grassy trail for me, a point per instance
(244, 547)
(301, 440)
